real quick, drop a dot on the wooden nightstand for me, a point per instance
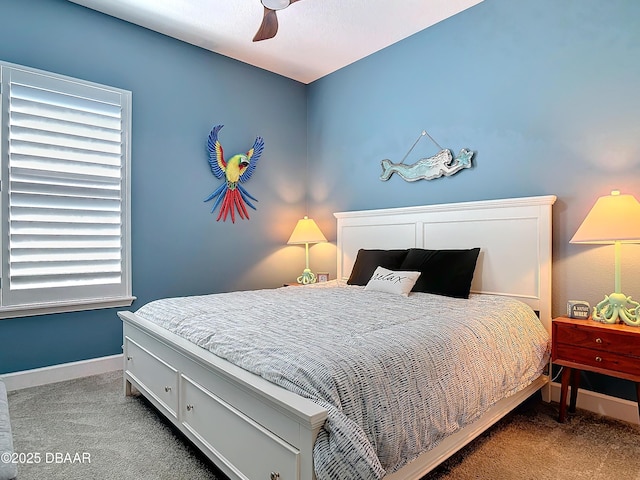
(595, 347)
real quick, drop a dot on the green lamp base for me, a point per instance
(307, 277)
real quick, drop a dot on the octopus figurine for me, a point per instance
(614, 307)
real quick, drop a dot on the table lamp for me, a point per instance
(614, 219)
(306, 232)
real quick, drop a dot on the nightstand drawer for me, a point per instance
(628, 367)
(611, 341)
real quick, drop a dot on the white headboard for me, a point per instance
(514, 236)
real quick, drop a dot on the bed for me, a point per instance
(256, 428)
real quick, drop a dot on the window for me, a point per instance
(65, 213)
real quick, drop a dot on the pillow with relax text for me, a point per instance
(388, 281)
(444, 272)
(368, 260)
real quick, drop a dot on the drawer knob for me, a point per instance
(167, 389)
(274, 476)
(598, 340)
(598, 359)
(189, 408)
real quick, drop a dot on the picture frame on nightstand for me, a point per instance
(578, 309)
(322, 277)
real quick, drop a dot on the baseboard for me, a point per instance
(606, 405)
(62, 372)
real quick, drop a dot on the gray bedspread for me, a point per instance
(396, 374)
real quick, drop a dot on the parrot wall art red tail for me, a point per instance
(231, 196)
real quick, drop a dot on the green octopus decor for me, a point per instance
(614, 307)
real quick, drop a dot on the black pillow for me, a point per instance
(444, 272)
(368, 260)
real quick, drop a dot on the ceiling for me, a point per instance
(315, 37)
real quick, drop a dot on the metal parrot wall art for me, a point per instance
(231, 196)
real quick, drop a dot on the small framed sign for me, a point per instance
(323, 277)
(578, 309)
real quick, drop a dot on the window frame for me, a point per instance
(85, 298)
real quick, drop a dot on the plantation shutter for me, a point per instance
(64, 192)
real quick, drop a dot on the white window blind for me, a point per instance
(65, 189)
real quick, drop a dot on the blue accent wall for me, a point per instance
(545, 92)
(179, 92)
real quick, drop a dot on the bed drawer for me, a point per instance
(153, 374)
(234, 438)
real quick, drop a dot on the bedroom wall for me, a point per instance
(545, 93)
(179, 93)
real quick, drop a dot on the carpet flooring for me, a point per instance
(87, 429)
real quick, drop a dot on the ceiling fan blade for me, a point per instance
(268, 27)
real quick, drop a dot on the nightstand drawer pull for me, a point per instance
(598, 340)
(598, 359)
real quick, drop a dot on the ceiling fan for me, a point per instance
(269, 26)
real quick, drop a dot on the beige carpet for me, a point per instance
(124, 436)
(127, 439)
(531, 444)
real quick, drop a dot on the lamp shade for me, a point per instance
(613, 218)
(306, 231)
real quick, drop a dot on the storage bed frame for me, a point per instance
(253, 429)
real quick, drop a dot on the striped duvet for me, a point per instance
(396, 374)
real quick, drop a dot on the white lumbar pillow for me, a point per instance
(384, 280)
